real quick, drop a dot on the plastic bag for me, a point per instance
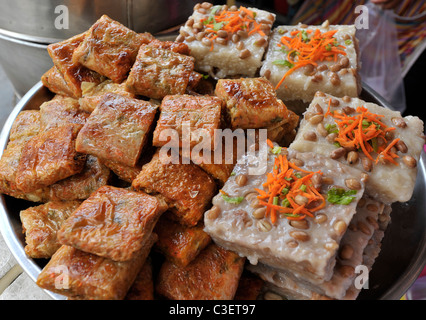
(380, 61)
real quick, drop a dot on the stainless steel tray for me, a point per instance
(401, 260)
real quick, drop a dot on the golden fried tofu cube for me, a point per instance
(59, 111)
(143, 287)
(81, 275)
(180, 112)
(53, 80)
(251, 103)
(159, 72)
(25, 126)
(40, 225)
(109, 48)
(9, 167)
(73, 72)
(213, 275)
(92, 94)
(178, 243)
(185, 187)
(220, 170)
(113, 222)
(49, 157)
(117, 129)
(249, 287)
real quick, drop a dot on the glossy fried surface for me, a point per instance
(41, 223)
(92, 94)
(159, 72)
(143, 286)
(180, 244)
(186, 188)
(81, 185)
(178, 47)
(213, 275)
(59, 111)
(73, 72)
(251, 103)
(49, 157)
(25, 126)
(109, 48)
(113, 222)
(181, 113)
(117, 129)
(249, 287)
(80, 275)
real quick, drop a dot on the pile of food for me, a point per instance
(136, 191)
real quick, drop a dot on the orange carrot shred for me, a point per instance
(364, 131)
(231, 21)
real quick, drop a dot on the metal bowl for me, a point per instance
(40, 21)
(401, 260)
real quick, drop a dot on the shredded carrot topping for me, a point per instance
(230, 21)
(308, 47)
(364, 131)
(289, 192)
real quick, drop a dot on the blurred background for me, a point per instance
(392, 44)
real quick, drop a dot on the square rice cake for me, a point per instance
(186, 188)
(84, 276)
(114, 223)
(185, 115)
(292, 217)
(109, 48)
(331, 67)
(388, 151)
(252, 103)
(227, 42)
(73, 72)
(48, 157)
(117, 129)
(213, 275)
(350, 255)
(159, 72)
(178, 243)
(40, 225)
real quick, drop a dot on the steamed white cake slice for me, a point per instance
(292, 217)
(350, 255)
(304, 59)
(366, 136)
(227, 41)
